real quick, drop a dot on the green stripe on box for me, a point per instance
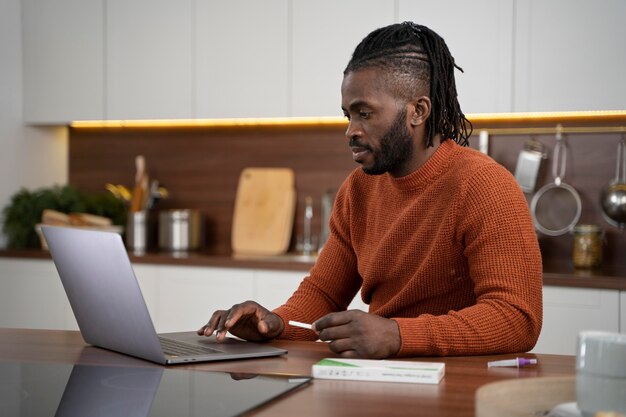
(330, 362)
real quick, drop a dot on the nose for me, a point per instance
(354, 130)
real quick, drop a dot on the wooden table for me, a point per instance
(454, 396)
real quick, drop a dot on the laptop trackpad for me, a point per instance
(230, 344)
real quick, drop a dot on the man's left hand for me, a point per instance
(357, 334)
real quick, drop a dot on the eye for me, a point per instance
(364, 114)
(346, 115)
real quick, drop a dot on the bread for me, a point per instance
(90, 220)
(54, 218)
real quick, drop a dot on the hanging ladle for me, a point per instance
(613, 196)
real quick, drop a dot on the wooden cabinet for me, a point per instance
(63, 60)
(569, 55)
(149, 58)
(325, 34)
(568, 311)
(480, 37)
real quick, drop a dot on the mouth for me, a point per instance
(359, 153)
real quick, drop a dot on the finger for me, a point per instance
(271, 325)
(331, 320)
(209, 328)
(237, 311)
(220, 328)
(234, 316)
(344, 331)
(341, 345)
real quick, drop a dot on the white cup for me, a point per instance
(601, 372)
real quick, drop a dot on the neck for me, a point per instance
(421, 154)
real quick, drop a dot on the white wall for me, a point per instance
(29, 157)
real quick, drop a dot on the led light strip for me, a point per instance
(595, 117)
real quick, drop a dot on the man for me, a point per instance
(437, 236)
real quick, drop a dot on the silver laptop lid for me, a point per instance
(103, 291)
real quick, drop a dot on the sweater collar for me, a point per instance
(431, 168)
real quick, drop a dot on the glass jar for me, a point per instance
(587, 247)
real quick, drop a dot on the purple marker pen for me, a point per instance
(517, 362)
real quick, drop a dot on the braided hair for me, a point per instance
(416, 58)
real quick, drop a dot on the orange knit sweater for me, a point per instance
(449, 252)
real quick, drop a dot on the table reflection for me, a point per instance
(43, 389)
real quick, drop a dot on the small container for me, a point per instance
(180, 230)
(137, 231)
(601, 373)
(587, 247)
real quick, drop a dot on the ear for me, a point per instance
(419, 110)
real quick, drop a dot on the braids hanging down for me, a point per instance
(417, 58)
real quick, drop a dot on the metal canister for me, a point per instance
(587, 246)
(180, 230)
(137, 231)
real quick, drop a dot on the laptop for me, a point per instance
(110, 309)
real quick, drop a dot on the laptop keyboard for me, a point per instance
(173, 347)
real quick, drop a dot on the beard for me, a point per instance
(396, 148)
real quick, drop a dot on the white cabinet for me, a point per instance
(325, 33)
(570, 55)
(241, 58)
(568, 311)
(182, 298)
(273, 288)
(479, 36)
(63, 60)
(147, 278)
(187, 296)
(149, 59)
(32, 296)
(179, 298)
(145, 59)
(622, 312)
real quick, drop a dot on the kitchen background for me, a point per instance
(201, 58)
(71, 60)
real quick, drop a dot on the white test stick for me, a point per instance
(299, 324)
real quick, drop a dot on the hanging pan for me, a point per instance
(556, 207)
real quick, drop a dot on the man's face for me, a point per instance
(377, 132)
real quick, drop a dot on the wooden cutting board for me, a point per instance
(264, 211)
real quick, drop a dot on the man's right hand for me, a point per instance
(248, 320)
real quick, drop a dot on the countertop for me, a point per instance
(454, 396)
(556, 273)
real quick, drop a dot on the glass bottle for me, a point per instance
(587, 247)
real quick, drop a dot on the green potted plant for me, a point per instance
(25, 207)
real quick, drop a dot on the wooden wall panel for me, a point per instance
(201, 166)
